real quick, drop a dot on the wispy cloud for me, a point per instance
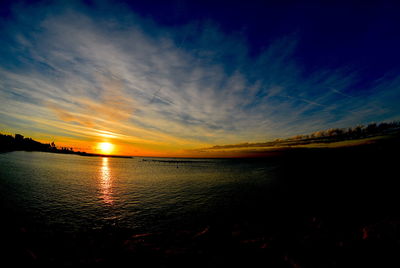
(143, 83)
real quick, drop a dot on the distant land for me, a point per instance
(18, 142)
(335, 137)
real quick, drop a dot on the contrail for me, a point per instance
(339, 92)
(154, 95)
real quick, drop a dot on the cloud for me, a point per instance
(66, 116)
(119, 73)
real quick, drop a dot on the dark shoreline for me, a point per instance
(74, 153)
(102, 155)
(18, 142)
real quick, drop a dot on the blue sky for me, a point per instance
(183, 75)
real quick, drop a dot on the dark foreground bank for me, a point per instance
(330, 208)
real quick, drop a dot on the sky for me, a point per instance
(166, 78)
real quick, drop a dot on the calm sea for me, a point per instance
(71, 192)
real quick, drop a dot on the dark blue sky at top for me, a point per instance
(312, 65)
(364, 35)
(360, 34)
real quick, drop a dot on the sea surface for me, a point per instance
(301, 208)
(75, 193)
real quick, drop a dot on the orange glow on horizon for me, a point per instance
(139, 149)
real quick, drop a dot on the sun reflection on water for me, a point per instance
(106, 182)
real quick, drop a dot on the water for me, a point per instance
(320, 208)
(71, 192)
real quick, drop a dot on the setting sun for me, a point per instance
(105, 147)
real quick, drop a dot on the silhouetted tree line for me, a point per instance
(358, 132)
(325, 136)
(20, 143)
